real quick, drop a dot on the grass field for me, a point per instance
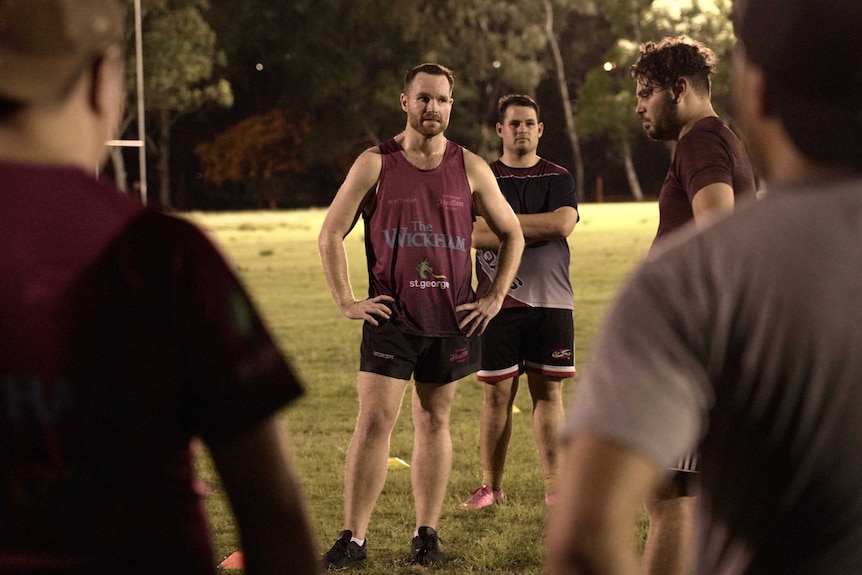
(275, 253)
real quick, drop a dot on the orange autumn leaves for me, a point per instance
(256, 149)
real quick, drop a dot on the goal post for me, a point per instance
(140, 143)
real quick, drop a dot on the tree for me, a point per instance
(340, 62)
(180, 60)
(562, 84)
(608, 104)
(494, 47)
(344, 61)
(608, 99)
(258, 149)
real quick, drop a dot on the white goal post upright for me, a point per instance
(140, 143)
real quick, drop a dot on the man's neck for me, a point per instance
(413, 141)
(23, 145)
(696, 115)
(424, 152)
(519, 160)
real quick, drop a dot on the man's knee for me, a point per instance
(546, 391)
(499, 395)
(376, 420)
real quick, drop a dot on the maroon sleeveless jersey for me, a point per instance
(417, 241)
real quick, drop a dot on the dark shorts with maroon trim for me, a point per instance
(388, 351)
(534, 339)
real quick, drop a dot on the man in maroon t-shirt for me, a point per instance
(125, 336)
(710, 173)
(710, 170)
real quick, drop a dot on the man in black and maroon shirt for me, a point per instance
(416, 194)
(124, 336)
(709, 175)
(534, 332)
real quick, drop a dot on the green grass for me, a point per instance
(275, 254)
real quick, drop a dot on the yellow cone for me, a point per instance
(397, 463)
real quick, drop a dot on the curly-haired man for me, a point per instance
(709, 173)
(710, 167)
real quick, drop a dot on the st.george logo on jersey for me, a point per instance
(428, 278)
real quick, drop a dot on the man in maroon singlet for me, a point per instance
(710, 173)
(416, 194)
(124, 336)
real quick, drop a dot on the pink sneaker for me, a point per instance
(483, 497)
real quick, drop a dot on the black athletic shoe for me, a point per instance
(426, 548)
(345, 553)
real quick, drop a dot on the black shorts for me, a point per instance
(386, 350)
(535, 339)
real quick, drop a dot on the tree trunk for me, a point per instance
(631, 174)
(567, 104)
(164, 163)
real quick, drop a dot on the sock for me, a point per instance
(550, 482)
(493, 478)
(359, 542)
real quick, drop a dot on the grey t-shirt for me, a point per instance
(744, 342)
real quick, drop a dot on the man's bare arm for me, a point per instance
(602, 486)
(256, 471)
(711, 202)
(340, 219)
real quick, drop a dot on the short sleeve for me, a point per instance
(218, 367)
(703, 158)
(562, 192)
(645, 386)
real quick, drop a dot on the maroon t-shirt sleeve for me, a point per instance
(703, 159)
(230, 371)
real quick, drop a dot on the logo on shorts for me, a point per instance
(459, 355)
(382, 355)
(428, 278)
(564, 353)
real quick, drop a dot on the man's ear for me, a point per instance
(107, 81)
(107, 95)
(679, 89)
(541, 129)
(403, 102)
(499, 129)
